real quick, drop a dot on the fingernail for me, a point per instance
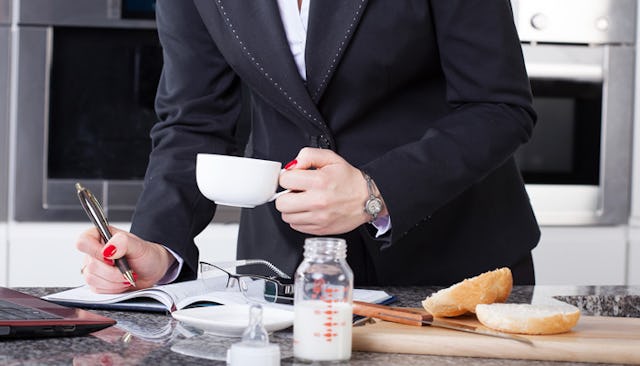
(109, 261)
(291, 164)
(109, 250)
(106, 360)
(135, 276)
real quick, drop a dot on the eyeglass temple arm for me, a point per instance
(246, 262)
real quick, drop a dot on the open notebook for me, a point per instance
(178, 296)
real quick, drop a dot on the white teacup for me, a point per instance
(237, 181)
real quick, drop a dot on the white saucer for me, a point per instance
(232, 320)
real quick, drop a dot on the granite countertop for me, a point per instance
(152, 338)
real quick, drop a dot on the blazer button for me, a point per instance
(324, 142)
(320, 141)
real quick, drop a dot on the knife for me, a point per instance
(420, 317)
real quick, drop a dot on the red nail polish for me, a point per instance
(109, 250)
(291, 164)
(106, 361)
(135, 276)
(109, 261)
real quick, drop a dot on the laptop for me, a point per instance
(26, 316)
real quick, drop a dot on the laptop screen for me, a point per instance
(26, 316)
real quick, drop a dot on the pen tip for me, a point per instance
(79, 187)
(129, 276)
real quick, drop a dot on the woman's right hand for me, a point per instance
(149, 261)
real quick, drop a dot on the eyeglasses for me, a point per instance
(255, 288)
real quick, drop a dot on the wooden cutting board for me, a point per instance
(593, 339)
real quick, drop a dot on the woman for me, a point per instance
(430, 99)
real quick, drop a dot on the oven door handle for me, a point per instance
(566, 71)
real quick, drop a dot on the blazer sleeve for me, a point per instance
(198, 106)
(490, 115)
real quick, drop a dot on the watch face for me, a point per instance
(374, 206)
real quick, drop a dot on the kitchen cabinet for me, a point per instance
(44, 254)
(633, 257)
(581, 255)
(217, 243)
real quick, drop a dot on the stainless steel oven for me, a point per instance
(87, 73)
(5, 65)
(580, 57)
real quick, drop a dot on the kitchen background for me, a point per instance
(77, 80)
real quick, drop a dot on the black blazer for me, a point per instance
(430, 98)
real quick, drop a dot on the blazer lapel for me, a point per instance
(265, 57)
(331, 26)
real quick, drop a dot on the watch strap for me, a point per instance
(373, 204)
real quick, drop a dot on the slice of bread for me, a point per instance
(528, 318)
(462, 298)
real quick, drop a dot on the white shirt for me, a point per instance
(295, 26)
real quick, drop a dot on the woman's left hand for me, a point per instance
(327, 194)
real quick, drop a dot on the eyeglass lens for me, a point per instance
(254, 288)
(260, 290)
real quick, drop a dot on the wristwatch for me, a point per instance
(373, 205)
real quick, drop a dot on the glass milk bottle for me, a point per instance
(323, 302)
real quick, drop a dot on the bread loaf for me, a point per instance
(461, 298)
(528, 318)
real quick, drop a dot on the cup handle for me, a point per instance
(273, 198)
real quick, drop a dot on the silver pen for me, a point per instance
(96, 214)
